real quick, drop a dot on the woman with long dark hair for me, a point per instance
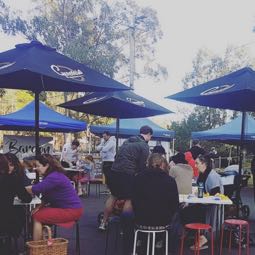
(212, 184)
(10, 187)
(61, 204)
(207, 175)
(17, 169)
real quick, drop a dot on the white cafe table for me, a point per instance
(70, 169)
(28, 208)
(210, 200)
(192, 199)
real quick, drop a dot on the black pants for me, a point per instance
(106, 167)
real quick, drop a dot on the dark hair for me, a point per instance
(179, 158)
(206, 159)
(146, 130)
(76, 142)
(54, 164)
(107, 133)
(90, 157)
(18, 167)
(4, 166)
(159, 149)
(195, 142)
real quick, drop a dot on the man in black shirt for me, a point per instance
(196, 149)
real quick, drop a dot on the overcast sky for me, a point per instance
(187, 25)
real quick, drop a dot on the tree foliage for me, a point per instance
(93, 32)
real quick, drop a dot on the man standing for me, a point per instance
(107, 149)
(130, 159)
(196, 149)
(69, 155)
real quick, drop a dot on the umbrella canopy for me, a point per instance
(129, 127)
(229, 132)
(235, 91)
(120, 104)
(36, 67)
(50, 121)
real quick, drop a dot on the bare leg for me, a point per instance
(108, 207)
(37, 230)
(128, 206)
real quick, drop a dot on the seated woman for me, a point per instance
(212, 184)
(17, 169)
(155, 198)
(182, 173)
(10, 187)
(154, 206)
(61, 204)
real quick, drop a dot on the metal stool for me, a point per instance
(111, 221)
(77, 236)
(198, 227)
(151, 230)
(236, 223)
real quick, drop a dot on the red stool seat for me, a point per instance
(236, 222)
(241, 224)
(198, 226)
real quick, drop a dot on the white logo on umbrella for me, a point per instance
(68, 72)
(6, 64)
(216, 90)
(92, 100)
(134, 101)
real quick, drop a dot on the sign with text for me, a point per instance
(24, 146)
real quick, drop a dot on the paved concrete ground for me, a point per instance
(93, 241)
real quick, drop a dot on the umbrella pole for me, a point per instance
(238, 195)
(117, 133)
(37, 138)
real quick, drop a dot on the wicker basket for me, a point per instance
(56, 246)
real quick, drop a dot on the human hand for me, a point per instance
(29, 189)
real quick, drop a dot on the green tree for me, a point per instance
(93, 32)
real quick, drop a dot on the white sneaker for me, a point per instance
(102, 226)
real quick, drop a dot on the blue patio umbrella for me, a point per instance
(130, 127)
(229, 133)
(234, 91)
(120, 104)
(36, 67)
(49, 120)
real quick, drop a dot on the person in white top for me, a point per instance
(107, 149)
(69, 155)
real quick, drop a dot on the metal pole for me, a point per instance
(66, 135)
(117, 133)
(173, 146)
(37, 138)
(132, 54)
(238, 196)
(37, 134)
